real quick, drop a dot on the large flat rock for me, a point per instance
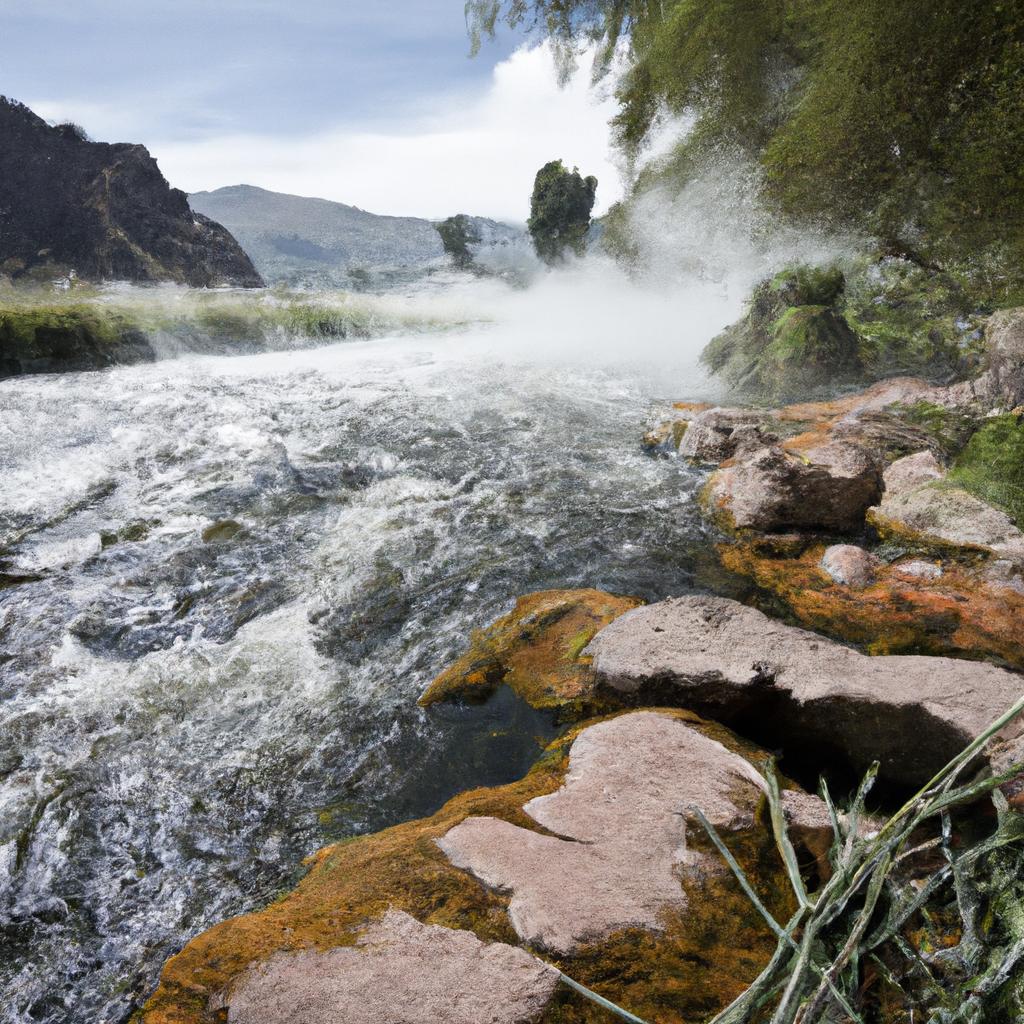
(919, 507)
(400, 972)
(615, 853)
(791, 687)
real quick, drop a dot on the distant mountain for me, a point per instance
(296, 240)
(103, 211)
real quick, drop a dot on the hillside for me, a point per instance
(103, 211)
(299, 240)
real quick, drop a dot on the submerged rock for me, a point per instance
(398, 972)
(736, 664)
(535, 649)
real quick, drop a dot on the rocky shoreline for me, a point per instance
(871, 519)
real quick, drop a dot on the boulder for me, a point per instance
(911, 472)
(850, 565)
(716, 434)
(774, 488)
(1002, 382)
(911, 713)
(920, 509)
(399, 972)
(616, 839)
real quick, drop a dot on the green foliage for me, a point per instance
(903, 119)
(458, 233)
(792, 340)
(560, 211)
(914, 921)
(992, 465)
(914, 319)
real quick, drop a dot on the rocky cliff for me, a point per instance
(104, 211)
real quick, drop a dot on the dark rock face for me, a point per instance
(102, 210)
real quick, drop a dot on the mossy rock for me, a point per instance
(810, 346)
(913, 320)
(991, 466)
(792, 340)
(537, 650)
(40, 338)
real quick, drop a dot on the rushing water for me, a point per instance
(225, 583)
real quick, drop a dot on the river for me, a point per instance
(226, 580)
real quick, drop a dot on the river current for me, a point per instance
(224, 582)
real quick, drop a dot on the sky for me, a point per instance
(375, 103)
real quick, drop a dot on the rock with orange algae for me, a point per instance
(536, 649)
(667, 435)
(913, 606)
(399, 972)
(616, 842)
(695, 963)
(919, 508)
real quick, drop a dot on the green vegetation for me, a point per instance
(792, 339)
(43, 330)
(809, 327)
(457, 235)
(992, 465)
(560, 211)
(903, 120)
(896, 931)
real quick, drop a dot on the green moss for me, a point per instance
(991, 467)
(948, 429)
(577, 643)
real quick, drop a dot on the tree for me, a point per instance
(458, 233)
(560, 211)
(901, 119)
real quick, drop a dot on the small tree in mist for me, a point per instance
(458, 233)
(560, 211)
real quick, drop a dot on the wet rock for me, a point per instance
(619, 826)
(1002, 382)
(850, 565)
(222, 530)
(736, 664)
(830, 486)
(399, 972)
(913, 606)
(666, 436)
(536, 650)
(918, 569)
(716, 434)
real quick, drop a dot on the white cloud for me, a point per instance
(475, 154)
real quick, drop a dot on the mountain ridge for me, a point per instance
(102, 210)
